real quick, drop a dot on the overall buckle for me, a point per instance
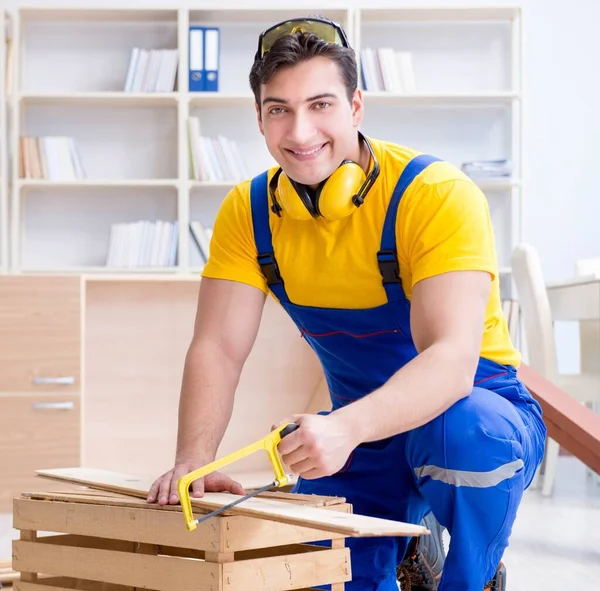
(270, 268)
(389, 268)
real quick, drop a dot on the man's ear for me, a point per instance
(357, 107)
(259, 119)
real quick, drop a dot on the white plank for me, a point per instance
(349, 524)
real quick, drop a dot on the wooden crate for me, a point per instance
(94, 541)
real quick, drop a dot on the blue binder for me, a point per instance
(197, 76)
(211, 58)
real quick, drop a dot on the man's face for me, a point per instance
(307, 121)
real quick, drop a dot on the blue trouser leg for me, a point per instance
(472, 464)
(469, 466)
(377, 481)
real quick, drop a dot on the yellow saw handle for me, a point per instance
(268, 443)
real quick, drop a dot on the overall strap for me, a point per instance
(259, 206)
(387, 257)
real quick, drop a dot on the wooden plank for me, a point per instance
(290, 571)
(142, 524)
(161, 573)
(351, 525)
(314, 500)
(62, 583)
(245, 533)
(89, 495)
(570, 423)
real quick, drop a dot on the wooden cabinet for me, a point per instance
(135, 340)
(38, 431)
(40, 327)
(136, 336)
(40, 383)
(91, 369)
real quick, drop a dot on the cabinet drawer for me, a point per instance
(36, 432)
(40, 326)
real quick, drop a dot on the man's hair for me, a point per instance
(297, 47)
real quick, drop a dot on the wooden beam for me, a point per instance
(570, 423)
(163, 573)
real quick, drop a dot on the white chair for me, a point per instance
(541, 345)
(589, 337)
(589, 330)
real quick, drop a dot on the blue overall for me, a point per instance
(469, 466)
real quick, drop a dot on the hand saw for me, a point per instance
(268, 443)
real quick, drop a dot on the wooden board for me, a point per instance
(570, 423)
(349, 524)
(123, 500)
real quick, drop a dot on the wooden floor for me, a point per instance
(555, 543)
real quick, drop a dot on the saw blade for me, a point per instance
(236, 502)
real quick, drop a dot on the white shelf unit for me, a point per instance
(70, 77)
(4, 73)
(72, 65)
(134, 146)
(466, 101)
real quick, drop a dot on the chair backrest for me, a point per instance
(535, 310)
(589, 330)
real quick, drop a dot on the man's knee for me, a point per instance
(476, 442)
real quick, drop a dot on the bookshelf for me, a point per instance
(4, 88)
(70, 70)
(463, 102)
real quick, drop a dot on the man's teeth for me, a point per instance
(307, 152)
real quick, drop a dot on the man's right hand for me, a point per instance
(164, 488)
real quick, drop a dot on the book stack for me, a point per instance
(49, 158)
(384, 69)
(487, 169)
(214, 158)
(151, 70)
(143, 244)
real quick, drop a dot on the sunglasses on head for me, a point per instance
(323, 28)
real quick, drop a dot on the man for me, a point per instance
(385, 260)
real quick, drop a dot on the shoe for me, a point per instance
(421, 569)
(498, 583)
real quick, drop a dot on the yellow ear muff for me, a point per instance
(335, 199)
(291, 201)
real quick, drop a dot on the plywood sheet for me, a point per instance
(349, 524)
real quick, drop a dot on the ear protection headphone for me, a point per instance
(335, 198)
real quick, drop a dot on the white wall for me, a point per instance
(561, 122)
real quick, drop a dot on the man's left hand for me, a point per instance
(319, 447)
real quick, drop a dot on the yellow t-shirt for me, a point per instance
(443, 224)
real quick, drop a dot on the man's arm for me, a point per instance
(447, 322)
(226, 325)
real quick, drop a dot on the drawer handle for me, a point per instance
(53, 405)
(66, 380)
